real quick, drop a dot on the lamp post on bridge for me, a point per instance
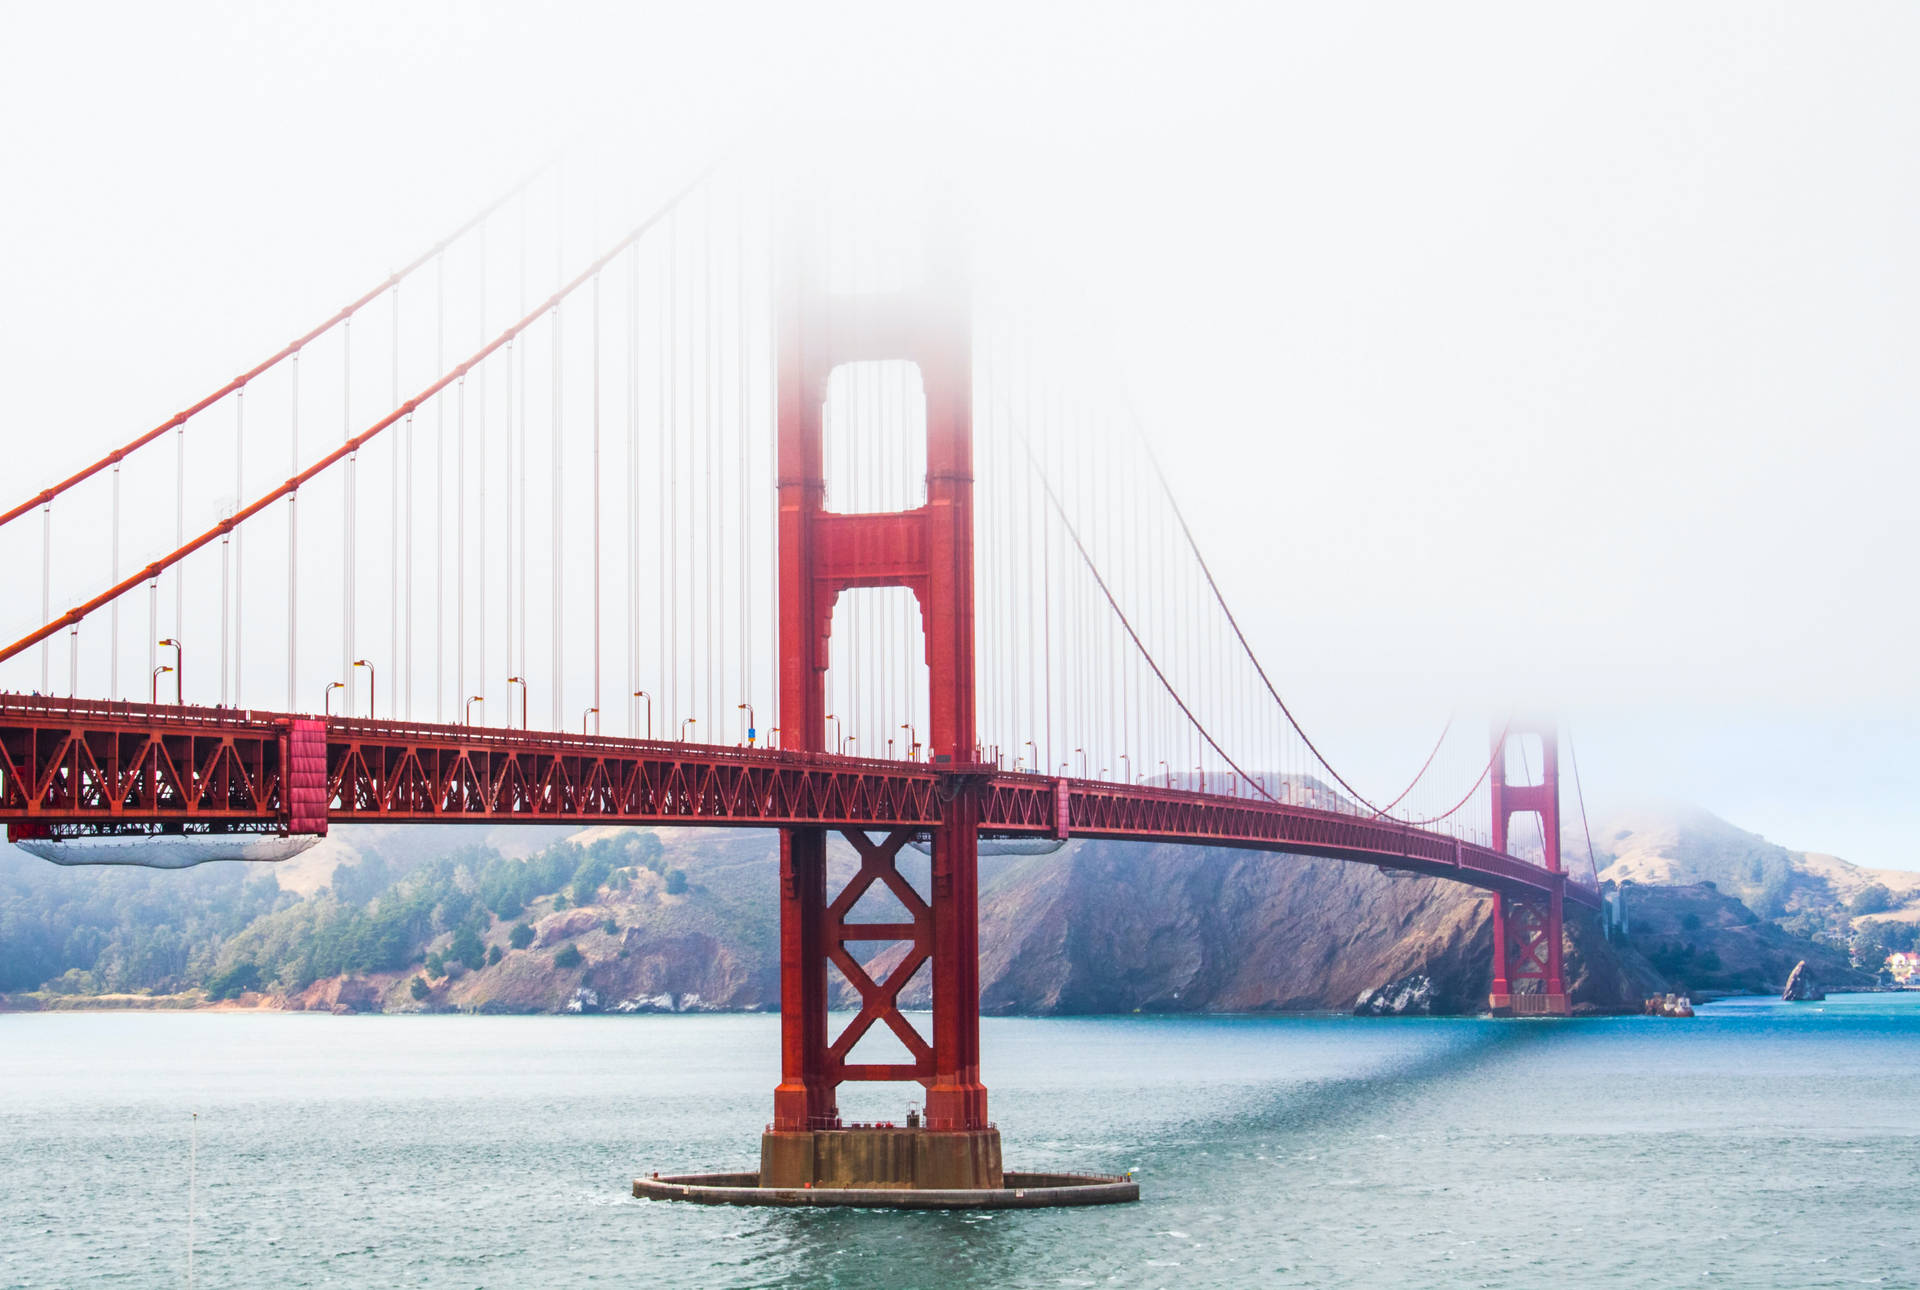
(913, 741)
(586, 716)
(839, 743)
(1083, 761)
(752, 724)
(372, 709)
(772, 743)
(326, 700)
(520, 681)
(642, 694)
(1126, 769)
(156, 681)
(178, 669)
(1163, 766)
(471, 700)
(690, 721)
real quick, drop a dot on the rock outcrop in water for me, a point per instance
(1407, 997)
(1800, 987)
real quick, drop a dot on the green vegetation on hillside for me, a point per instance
(229, 928)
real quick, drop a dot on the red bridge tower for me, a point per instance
(929, 550)
(1527, 929)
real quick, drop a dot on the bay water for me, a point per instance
(1760, 1144)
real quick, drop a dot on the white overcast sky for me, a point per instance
(1553, 354)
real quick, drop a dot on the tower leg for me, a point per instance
(1527, 961)
(805, 1099)
(1500, 999)
(956, 1099)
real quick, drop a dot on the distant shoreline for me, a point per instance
(197, 1002)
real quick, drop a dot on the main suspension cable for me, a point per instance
(293, 483)
(1220, 599)
(291, 348)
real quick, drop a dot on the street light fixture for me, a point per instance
(178, 669)
(642, 694)
(326, 700)
(590, 712)
(520, 681)
(752, 732)
(771, 741)
(913, 741)
(690, 721)
(838, 743)
(156, 680)
(1163, 766)
(471, 700)
(372, 680)
(1083, 761)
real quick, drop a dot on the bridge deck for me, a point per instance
(101, 766)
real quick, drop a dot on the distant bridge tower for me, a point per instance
(928, 549)
(1527, 929)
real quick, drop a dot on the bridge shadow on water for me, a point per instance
(1218, 1149)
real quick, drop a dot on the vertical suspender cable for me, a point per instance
(460, 546)
(480, 470)
(514, 428)
(46, 591)
(239, 549)
(440, 496)
(671, 475)
(525, 434)
(113, 658)
(745, 534)
(663, 676)
(559, 528)
(393, 518)
(709, 485)
(596, 503)
(632, 492)
(406, 560)
(772, 467)
(179, 527)
(351, 485)
(1046, 604)
(293, 550)
(226, 603)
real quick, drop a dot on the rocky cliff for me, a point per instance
(689, 920)
(1095, 928)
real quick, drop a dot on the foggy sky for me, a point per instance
(1513, 354)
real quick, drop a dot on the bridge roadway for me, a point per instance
(89, 766)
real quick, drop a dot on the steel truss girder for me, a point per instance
(79, 762)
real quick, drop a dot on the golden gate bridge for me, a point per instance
(757, 514)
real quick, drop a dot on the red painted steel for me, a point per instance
(1528, 927)
(928, 550)
(307, 784)
(93, 764)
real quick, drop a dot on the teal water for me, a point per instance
(1758, 1145)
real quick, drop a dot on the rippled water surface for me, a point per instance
(1758, 1145)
